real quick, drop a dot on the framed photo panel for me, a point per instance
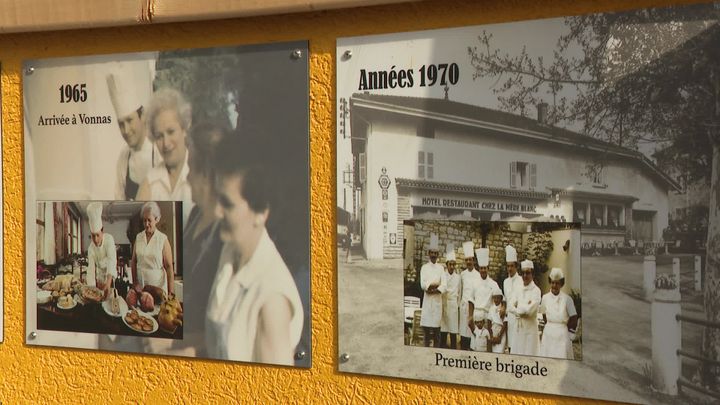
(168, 203)
(536, 203)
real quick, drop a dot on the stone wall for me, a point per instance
(457, 232)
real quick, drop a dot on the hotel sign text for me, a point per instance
(484, 205)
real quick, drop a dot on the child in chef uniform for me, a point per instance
(481, 335)
(498, 322)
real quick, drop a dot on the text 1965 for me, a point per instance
(73, 93)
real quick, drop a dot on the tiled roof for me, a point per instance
(464, 113)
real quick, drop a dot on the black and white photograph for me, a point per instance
(608, 122)
(171, 192)
(499, 287)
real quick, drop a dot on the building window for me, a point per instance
(614, 216)
(426, 165)
(594, 173)
(362, 167)
(40, 237)
(523, 175)
(72, 222)
(605, 216)
(596, 215)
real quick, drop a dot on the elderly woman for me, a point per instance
(169, 117)
(560, 319)
(254, 310)
(152, 262)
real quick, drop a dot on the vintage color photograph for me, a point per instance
(196, 130)
(609, 121)
(125, 283)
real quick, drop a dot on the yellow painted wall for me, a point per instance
(32, 374)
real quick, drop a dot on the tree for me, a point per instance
(647, 76)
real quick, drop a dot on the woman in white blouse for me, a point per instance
(152, 262)
(254, 309)
(560, 319)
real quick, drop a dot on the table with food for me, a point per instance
(65, 303)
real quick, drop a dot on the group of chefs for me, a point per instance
(470, 303)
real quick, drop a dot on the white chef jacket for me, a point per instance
(149, 256)
(103, 259)
(527, 337)
(160, 190)
(511, 288)
(481, 294)
(432, 273)
(496, 326)
(450, 318)
(140, 162)
(238, 296)
(556, 338)
(467, 280)
(479, 340)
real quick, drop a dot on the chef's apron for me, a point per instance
(155, 277)
(556, 341)
(131, 188)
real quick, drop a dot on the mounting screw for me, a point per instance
(29, 70)
(344, 357)
(347, 55)
(299, 355)
(32, 335)
(297, 54)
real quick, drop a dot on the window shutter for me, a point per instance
(421, 165)
(533, 175)
(430, 169)
(361, 169)
(513, 174)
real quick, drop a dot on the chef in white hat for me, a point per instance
(526, 306)
(130, 87)
(451, 313)
(498, 322)
(434, 283)
(511, 286)
(560, 319)
(102, 257)
(467, 280)
(480, 298)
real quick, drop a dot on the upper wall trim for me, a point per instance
(50, 15)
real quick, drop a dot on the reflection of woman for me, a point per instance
(560, 319)
(201, 236)
(254, 311)
(102, 257)
(151, 261)
(169, 117)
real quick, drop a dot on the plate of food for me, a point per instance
(66, 302)
(43, 296)
(140, 321)
(115, 306)
(148, 300)
(91, 294)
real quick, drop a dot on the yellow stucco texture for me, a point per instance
(48, 375)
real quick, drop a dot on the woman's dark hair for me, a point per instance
(247, 157)
(202, 141)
